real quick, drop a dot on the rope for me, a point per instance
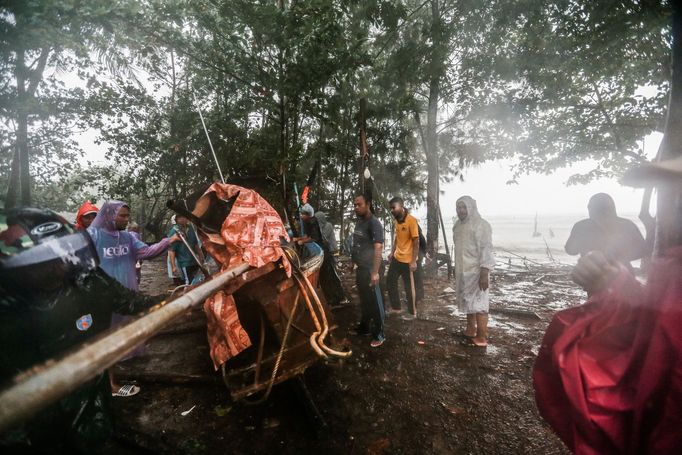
(177, 288)
(325, 323)
(313, 315)
(261, 345)
(280, 354)
(292, 254)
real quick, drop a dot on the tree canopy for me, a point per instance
(447, 83)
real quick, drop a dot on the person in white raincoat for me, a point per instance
(473, 262)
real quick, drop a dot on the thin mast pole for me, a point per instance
(201, 116)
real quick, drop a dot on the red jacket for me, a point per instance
(608, 378)
(87, 207)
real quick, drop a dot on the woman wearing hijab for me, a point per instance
(473, 262)
(86, 214)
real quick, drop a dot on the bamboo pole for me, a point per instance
(55, 379)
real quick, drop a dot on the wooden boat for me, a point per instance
(287, 320)
(278, 320)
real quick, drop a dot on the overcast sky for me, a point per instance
(544, 194)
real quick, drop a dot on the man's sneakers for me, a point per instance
(377, 341)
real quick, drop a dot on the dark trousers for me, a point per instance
(371, 303)
(330, 281)
(396, 270)
(188, 273)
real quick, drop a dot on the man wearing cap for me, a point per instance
(608, 377)
(329, 278)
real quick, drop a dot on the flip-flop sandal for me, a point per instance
(469, 343)
(127, 390)
(464, 335)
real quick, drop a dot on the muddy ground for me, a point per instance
(421, 392)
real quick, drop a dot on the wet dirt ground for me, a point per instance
(421, 392)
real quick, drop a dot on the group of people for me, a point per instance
(617, 238)
(64, 284)
(105, 263)
(473, 262)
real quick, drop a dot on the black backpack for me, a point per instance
(422, 242)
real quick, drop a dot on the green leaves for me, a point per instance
(549, 83)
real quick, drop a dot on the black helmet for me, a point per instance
(40, 251)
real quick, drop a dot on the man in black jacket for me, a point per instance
(53, 298)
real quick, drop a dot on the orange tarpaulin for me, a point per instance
(251, 233)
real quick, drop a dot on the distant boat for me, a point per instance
(535, 229)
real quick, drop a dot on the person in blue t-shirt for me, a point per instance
(368, 244)
(182, 262)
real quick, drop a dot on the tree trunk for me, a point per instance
(22, 131)
(318, 165)
(433, 173)
(13, 188)
(669, 206)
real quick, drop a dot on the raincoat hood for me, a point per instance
(86, 208)
(321, 218)
(106, 217)
(472, 210)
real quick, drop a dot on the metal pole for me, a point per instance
(196, 259)
(54, 380)
(201, 116)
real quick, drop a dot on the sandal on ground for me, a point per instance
(127, 390)
(462, 334)
(470, 343)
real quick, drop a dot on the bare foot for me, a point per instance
(480, 342)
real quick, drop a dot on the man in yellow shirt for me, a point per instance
(403, 257)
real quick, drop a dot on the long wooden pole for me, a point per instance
(414, 294)
(53, 380)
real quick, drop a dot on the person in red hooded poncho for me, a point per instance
(86, 213)
(608, 377)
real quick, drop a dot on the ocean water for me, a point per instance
(513, 235)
